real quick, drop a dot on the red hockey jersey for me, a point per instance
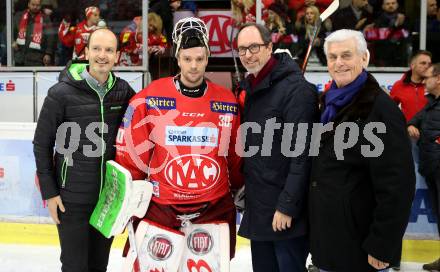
(184, 146)
(81, 38)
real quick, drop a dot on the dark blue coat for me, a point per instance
(276, 181)
(428, 122)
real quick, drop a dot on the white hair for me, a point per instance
(347, 34)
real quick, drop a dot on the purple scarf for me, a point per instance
(337, 98)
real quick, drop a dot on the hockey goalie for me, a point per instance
(179, 134)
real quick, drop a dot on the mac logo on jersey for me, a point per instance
(192, 171)
(160, 247)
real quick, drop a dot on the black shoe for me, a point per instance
(434, 266)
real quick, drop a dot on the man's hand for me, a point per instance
(46, 60)
(360, 23)
(281, 221)
(309, 2)
(400, 19)
(413, 132)
(53, 204)
(379, 265)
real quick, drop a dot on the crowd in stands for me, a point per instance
(52, 32)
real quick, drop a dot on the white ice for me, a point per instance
(18, 258)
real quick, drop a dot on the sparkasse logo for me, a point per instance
(7, 86)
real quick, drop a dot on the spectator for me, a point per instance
(276, 93)
(88, 96)
(165, 9)
(244, 11)
(83, 31)
(300, 6)
(157, 42)
(425, 127)
(131, 40)
(34, 42)
(360, 198)
(409, 91)
(131, 43)
(305, 28)
(282, 31)
(390, 41)
(433, 30)
(356, 16)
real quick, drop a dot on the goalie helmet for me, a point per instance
(190, 32)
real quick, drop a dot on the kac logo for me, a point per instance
(192, 171)
(220, 27)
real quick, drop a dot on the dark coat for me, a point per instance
(26, 56)
(275, 181)
(346, 19)
(360, 205)
(428, 122)
(72, 100)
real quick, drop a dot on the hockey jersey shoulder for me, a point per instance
(221, 92)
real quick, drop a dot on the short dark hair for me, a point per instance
(91, 34)
(436, 69)
(264, 32)
(419, 53)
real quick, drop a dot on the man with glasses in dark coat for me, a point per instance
(274, 96)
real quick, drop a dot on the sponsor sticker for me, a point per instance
(191, 136)
(159, 102)
(224, 107)
(200, 242)
(160, 247)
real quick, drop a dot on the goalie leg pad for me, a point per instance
(159, 248)
(207, 247)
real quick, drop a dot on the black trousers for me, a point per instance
(83, 248)
(280, 256)
(433, 183)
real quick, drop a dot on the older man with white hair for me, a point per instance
(362, 181)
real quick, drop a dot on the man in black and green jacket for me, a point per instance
(80, 117)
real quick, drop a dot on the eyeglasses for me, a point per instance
(253, 48)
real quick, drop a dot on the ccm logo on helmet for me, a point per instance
(192, 171)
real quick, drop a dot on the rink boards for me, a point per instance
(20, 200)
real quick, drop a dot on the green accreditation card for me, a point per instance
(120, 199)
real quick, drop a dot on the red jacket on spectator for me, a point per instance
(409, 95)
(81, 37)
(131, 43)
(66, 33)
